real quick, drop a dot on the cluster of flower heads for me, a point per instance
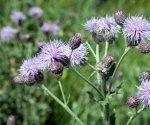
(144, 89)
(7, 33)
(135, 29)
(143, 94)
(54, 56)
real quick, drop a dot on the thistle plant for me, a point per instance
(56, 56)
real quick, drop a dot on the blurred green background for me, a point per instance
(28, 103)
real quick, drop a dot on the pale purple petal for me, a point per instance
(92, 24)
(30, 67)
(52, 29)
(35, 12)
(51, 52)
(78, 55)
(7, 33)
(136, 29)
(17, 17)
(144, 93)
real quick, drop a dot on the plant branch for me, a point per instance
(134, 115)
(87, 81)
(62, 92)
(120, 60)
(90, 48)
(61, 103)
(106, 49)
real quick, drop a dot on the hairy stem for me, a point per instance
(87, 81)
(120, 60)
(90, 48)
(97, 59)
(92, 67)
(62, 104)
(106, 49)
(62, 92)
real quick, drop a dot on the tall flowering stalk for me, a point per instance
(56, 55)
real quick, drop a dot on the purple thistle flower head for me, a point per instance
(53, 51)
(78, 55)
(144, 93)
(7, 33)
(136, 29)
(103, 28)
(35, 12)
(108, 28)
(92, 25)
(31, 67)
(50, 29)
(18, 17)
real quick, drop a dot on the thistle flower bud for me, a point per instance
(108, 60)
(119, 17)
(132, 101)
(56, 68)
(102, 69)
(106, 66)
(22, 80)
(145, 75)
(75, 41)
(27, 37)
(11, 120)
(144, 47)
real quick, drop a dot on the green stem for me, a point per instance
(120, 60)
(97, 59)
(134, 115)
(87, 81)
(91, 66)
(97, 53)
(106, 49)
(62, 92)
(118, 64)
(62, 104)
(90, 48)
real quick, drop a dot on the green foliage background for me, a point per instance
(28, 103)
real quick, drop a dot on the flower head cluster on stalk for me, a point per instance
(55, 56)
(135, 29)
